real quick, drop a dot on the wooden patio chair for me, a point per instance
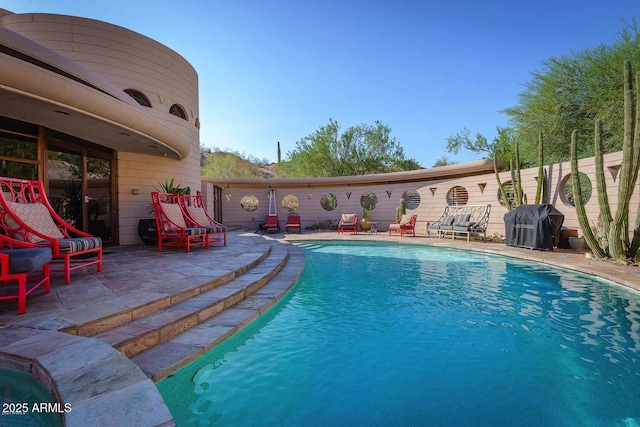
(271, 224)
(28, 267)
(348, 223)
(405, 225)
(173, 230)
(197, 216)
(27, 216)
(293, 222)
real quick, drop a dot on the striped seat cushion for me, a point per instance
(77, 244)
(216, 229)
(193, 231)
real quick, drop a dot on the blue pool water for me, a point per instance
(404, 335)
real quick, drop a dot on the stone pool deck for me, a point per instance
(100, 342)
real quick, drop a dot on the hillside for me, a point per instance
(231, 165)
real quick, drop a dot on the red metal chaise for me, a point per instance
(405, 225)
(348, 223)
(197, 216)
(28, 267)
(271, 224)
(293, 222)
(27, 216)
(173, 230)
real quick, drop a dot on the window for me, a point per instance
(411, 199)
(368, 200)
(290, 202)
(249, 203)
(329, 202)
(139, 97)
(511, 196)
(18, 156)
(566, 189)
(178, 111)
(457, 196)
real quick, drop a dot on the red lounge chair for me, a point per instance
(172, 227)
(271, 224)
(27, 266)
(197, 216)
(405, 225)
(27, 216)
(348, 223)
(293, 222)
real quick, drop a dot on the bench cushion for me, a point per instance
(27, 260)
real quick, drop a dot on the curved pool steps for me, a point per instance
(186, 310)
(248, 298)
(194, 300)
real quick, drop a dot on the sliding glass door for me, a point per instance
(81, 188)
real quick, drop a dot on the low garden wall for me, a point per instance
(321, 201)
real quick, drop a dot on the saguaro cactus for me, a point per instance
(614, 242)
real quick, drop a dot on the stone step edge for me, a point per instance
(175, 353)
(191, 317)
(126, 315)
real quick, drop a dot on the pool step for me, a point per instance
(192, 309)
(167, 357)
(187, 309)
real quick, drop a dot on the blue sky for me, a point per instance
(278, 70)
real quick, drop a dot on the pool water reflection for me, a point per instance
(385, 334)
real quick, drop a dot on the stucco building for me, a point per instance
(97, 111)
(102, 114)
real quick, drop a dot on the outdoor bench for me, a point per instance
(463, 220)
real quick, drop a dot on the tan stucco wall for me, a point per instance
(129, 60)
(482, 189)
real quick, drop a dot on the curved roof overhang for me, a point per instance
(477, 167)
(40, 86)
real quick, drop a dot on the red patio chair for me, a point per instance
(293, 222)
(27, 216)
(197, 216)
(25, 265)
(405, 225)
(348, 223)
(271, 224)
(172, 227)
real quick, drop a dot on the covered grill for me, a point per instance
(533, 226)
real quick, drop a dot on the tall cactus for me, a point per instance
(519, 197)
(541, 188)
(615, 243)
(401, 210)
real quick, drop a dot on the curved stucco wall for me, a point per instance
(129, 60)
(482, 188)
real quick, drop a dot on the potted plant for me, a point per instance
(365, 220)
(147, 227)
(368, 202)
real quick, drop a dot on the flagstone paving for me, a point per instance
(64, 337)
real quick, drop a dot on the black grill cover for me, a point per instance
(533, 226)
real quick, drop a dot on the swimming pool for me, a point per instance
(386, 334)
